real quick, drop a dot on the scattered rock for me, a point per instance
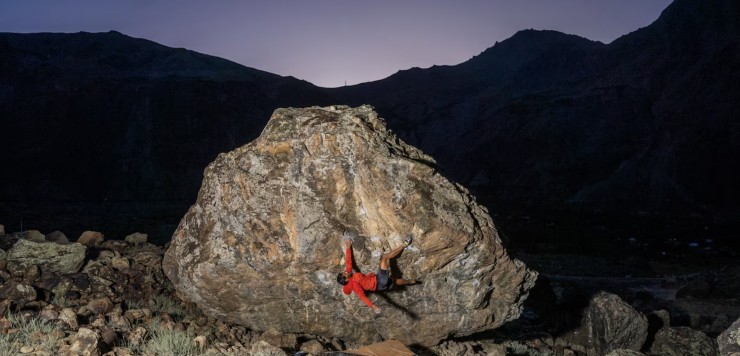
(49, 256)
(98, 322)
(68, 316)
(135, 314)
(625, 352)
(34, 235)
(101, 294)
(136, 337)
(262, 245)
(452, 348)
(120, 351)
(80, 282)
(493, 349)
(108, 336)
(90, 238)
(4, 324)
(119, 323)
(56, 237)
(120, 263)
(72, 295)
(337, 344)
(49, 314)
(15, 269)
(32, 274)
(675, 341)
(98, 306)
(136, 238)
(313, 347)
(729, 340)
(85, 343)
(148, 259)
(200, 342)
(17, 292)
(283, 341)
(606, 324)
(265, 349)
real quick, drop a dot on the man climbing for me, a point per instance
(370, 282)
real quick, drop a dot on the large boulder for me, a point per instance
(262, 244)
(607, 323)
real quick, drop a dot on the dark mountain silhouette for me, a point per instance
(543, 122)
(88, 117)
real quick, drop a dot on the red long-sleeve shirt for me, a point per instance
(359, 282)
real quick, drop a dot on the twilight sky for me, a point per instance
(328, 42)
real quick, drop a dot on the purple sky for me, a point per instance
(328, 42)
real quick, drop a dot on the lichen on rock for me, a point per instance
(262, 245)
(49, 256)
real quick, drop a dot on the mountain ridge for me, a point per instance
(620, 106)
(104, 53)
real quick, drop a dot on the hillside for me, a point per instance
(544, 121)
(104, 116)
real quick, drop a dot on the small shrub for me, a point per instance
(41, 334)
(169, 342)
(164, 304)
(134, 304)
(7, 346)
(60, 300)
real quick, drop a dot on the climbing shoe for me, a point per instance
(408, 241)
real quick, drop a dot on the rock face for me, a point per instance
(262, 244)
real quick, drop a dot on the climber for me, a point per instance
(370, 282)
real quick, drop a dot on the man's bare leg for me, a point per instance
(384, 264)
(403, 282)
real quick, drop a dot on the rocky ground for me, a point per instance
(99, 296)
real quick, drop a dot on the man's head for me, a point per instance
(342, 278)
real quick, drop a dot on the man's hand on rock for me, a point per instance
(376, 309)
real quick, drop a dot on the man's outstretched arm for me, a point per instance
(361, 293)
(348, 256)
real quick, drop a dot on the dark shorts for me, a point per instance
(383, 279)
